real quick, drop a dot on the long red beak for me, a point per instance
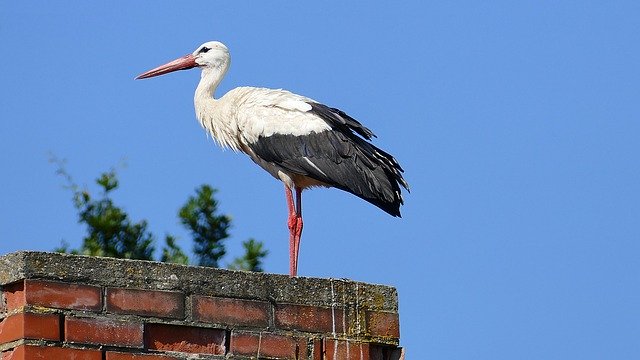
(183, 63)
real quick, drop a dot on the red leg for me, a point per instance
(291, 223)
(294, 222)
(298, 229)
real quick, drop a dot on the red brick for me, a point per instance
(184, 339)
(169, 304)
(31, 352)
(14, 296)
(231, 311)
(30, 326)
(53, 294)
(344, 350)
(309, 318)
(131, 356)
(383, 324)
(103, 331)
(268, 345)
(317, 351)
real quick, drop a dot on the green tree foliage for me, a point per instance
(252, 260)
(111, 232)
(172, 253)
(208, 229)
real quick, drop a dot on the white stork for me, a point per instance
(297, 140)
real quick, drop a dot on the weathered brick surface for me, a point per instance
(383, 324)
(169, 304)
(31, 352)
(123, 273)
(231, 311)
(112, 355)
(268, 345)
(103, 331)
(309, 318)
(53, 294)
(62, 295)
(186, 339)
(345, 350)
(30, 326)
(14, 296)
(55, 306)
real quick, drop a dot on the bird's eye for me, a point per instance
(204, 49)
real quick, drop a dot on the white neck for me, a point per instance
(209, 110)
(209, 80)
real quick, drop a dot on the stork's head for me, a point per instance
(212, 54)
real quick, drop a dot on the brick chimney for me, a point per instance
(56, 306)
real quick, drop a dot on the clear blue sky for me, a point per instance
(517, 122)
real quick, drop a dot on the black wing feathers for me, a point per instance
(347, 125)
(339, 158)
(340, 120)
